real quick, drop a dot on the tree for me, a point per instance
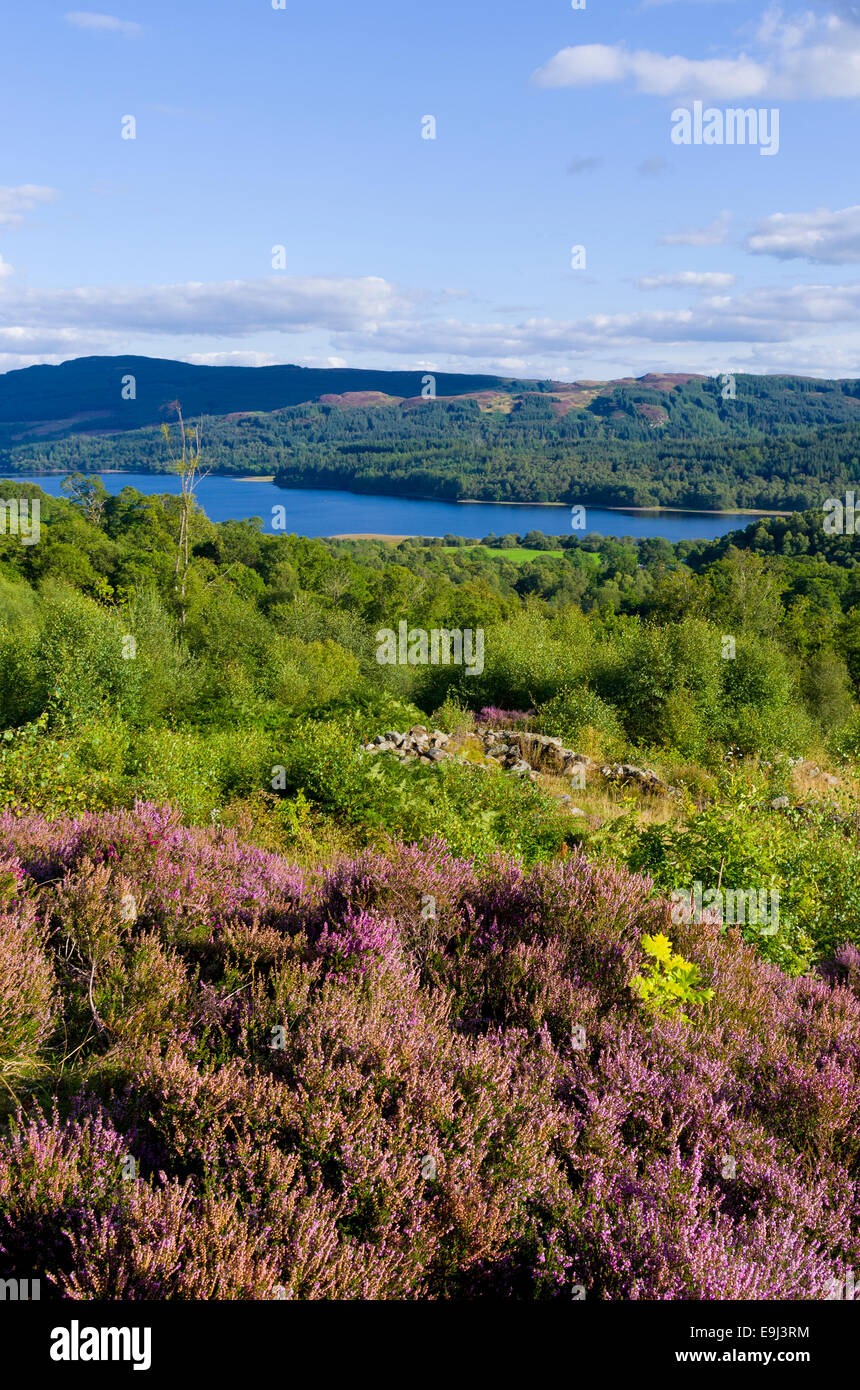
(90, 494)
(187, 464)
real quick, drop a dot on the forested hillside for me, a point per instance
(779, 442)
(122, 393)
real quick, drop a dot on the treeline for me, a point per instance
(274, 625)
(779, 443)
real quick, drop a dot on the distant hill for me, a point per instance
(677, 439)
(85, 395)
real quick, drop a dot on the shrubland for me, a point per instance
(289, 978)
(271, 1086)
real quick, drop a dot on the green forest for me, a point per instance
(781, 443)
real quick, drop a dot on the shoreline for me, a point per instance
(699, 511)
(602, 506)
(426, 497)
(486, 502)
(369, 536)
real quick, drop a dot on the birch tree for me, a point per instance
(185, 458)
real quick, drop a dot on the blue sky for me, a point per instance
(302, 127)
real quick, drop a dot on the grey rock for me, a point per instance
(516, 751)
(622, 773)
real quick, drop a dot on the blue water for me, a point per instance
(312, 512)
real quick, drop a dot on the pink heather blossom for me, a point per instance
(414, 1078)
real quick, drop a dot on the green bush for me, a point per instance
(572, 710)
(475, 810)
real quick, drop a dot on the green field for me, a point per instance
(517, 554)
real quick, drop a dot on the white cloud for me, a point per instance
(318, 361)
(688, 280)
(24, 198)
(653, 73)
(104, 24)
(240, 358)
(5, 269)
(370, 322)
(811, 56)
(757, 317)
(803, 359)
(250, 358)
(715, 234)
(43, 344)
(824, 237)
(231, 309)
(586, 65)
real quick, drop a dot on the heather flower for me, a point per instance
(494, 718)
(260, 1065)
(27, 989)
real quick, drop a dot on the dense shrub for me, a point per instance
(809, 857)
(476, 810)
(570, 713)
(414, 1077)
(27, 985)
